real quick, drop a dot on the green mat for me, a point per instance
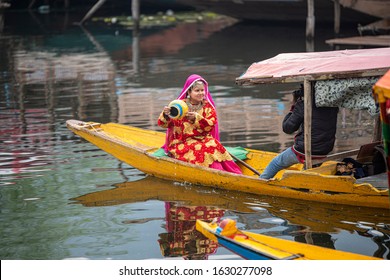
(159, 153)
(238, 152)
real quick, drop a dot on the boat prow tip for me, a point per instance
(76, 124)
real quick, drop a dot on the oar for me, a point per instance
(245, 164)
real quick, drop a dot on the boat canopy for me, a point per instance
(322, 71)
(314, 66)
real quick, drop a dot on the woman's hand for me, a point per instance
(167, 110)
(191, 116)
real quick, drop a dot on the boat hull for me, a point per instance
(256, 246)
(135, 147)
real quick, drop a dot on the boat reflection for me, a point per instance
(304, 221)
(151, 188)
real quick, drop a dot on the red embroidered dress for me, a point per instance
(192, 142)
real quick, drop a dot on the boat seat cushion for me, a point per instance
(160, 153)
(238, 152)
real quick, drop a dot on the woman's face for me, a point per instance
(197, 93)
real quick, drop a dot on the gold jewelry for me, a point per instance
(194, 108)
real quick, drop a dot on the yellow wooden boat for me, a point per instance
(136, 147)
(255, 246)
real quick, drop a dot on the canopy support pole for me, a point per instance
(310, 20)
(307, 121)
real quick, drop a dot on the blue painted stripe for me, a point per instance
(240, 250)
(180, 110)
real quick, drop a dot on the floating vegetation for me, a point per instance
(160, 19)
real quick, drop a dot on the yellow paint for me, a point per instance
(134, 147)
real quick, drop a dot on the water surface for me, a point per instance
(63, 198)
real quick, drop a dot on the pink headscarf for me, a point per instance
(183, 94)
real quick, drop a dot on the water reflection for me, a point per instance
(321, 239)
(182, 239)
(308, 222)
(103, 86)
(51, 71)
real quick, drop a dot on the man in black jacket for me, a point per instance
(324, 124)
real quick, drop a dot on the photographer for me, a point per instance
(323, 134)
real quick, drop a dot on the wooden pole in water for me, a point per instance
(337, 16)
(32, 2)
(1, 22)
(136, 51)
(92, 11)
(310, 20)
(307, 99)
(135, 11)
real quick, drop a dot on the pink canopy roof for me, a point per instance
(295, 67)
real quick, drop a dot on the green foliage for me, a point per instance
(160, 19)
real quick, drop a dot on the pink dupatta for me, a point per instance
(183, 94)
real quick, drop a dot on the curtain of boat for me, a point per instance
(353, 93)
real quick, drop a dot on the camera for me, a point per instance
(298, 94)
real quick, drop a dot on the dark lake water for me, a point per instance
(63, 198)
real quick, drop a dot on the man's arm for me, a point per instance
(293, 120)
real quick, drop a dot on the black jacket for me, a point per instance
(323, 130)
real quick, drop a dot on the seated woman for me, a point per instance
(195, 137)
